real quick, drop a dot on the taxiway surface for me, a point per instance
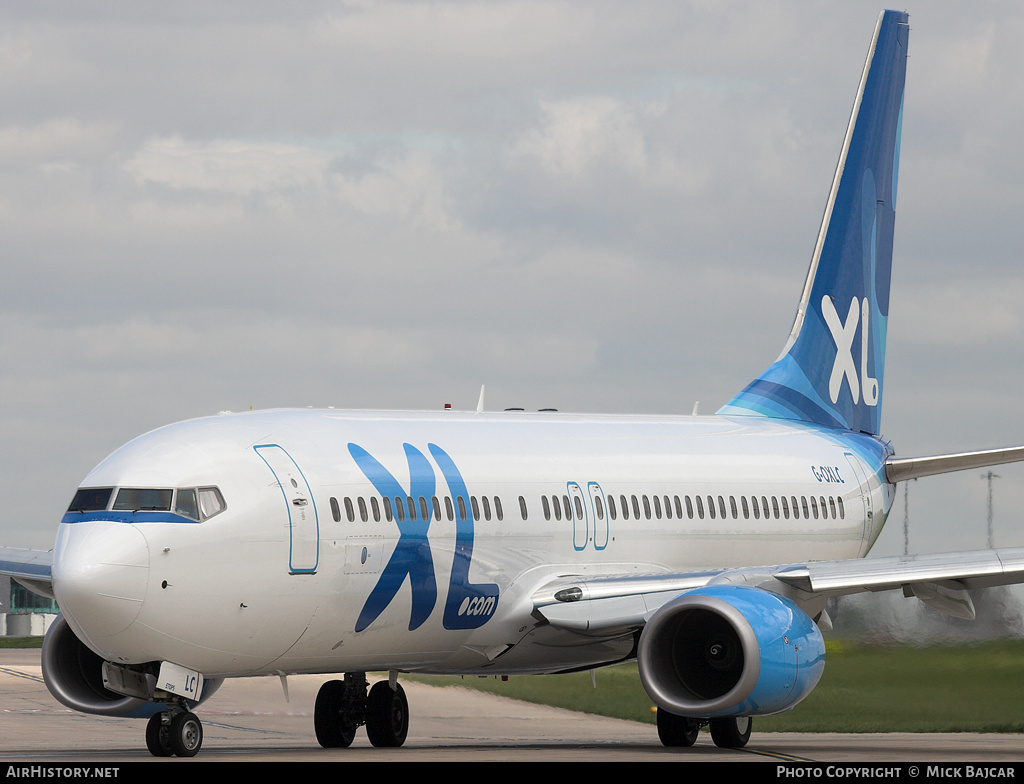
(250, 720)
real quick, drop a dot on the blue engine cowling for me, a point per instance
(729, 650)
(73, 675)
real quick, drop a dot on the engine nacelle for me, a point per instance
(729, 650)
(73, 675)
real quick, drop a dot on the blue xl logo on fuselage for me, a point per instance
(468, 606)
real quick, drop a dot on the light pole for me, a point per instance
(990, 476)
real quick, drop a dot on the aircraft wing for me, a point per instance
(31, 568)
(609, 605)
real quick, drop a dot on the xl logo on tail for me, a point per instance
(843, 336)
(468, 605)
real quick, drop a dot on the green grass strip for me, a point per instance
(966, 688)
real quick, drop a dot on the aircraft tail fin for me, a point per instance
(830, 371)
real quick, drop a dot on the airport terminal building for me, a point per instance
(23, 613)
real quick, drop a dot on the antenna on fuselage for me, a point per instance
(480, 402)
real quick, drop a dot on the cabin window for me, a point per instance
(437, 507)
(598, 507)
(842, 511)
(611, 507)
(497, 509)
(449, 510)
(375, 508)
(522, 507)
(462, 507)
(624, 506)
(349, 512)
(362, 509)
(546, 506)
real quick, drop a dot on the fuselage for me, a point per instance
(331, 541)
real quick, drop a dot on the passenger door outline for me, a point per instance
(303, 521)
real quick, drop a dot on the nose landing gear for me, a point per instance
(174, 733)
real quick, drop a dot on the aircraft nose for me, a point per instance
(100, 573)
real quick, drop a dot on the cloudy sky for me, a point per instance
(592, 206)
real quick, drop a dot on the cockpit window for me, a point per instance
(185, 503)
(91, 499)
(134, 499)
(193, 503)
(211, 502)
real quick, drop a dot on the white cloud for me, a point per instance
(407, 185)
(578, 134)
(963, 313)
(236, 167)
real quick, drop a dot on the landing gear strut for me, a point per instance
(342, 706)
(174, 733)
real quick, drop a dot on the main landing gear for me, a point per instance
(342, 706)
(682, 731)
(177, 733)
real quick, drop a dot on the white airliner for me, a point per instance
(324, 541)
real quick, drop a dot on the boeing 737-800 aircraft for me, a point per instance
(325, 541)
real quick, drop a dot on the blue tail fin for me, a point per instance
(830, 371)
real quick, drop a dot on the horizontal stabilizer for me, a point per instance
(899, 469)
